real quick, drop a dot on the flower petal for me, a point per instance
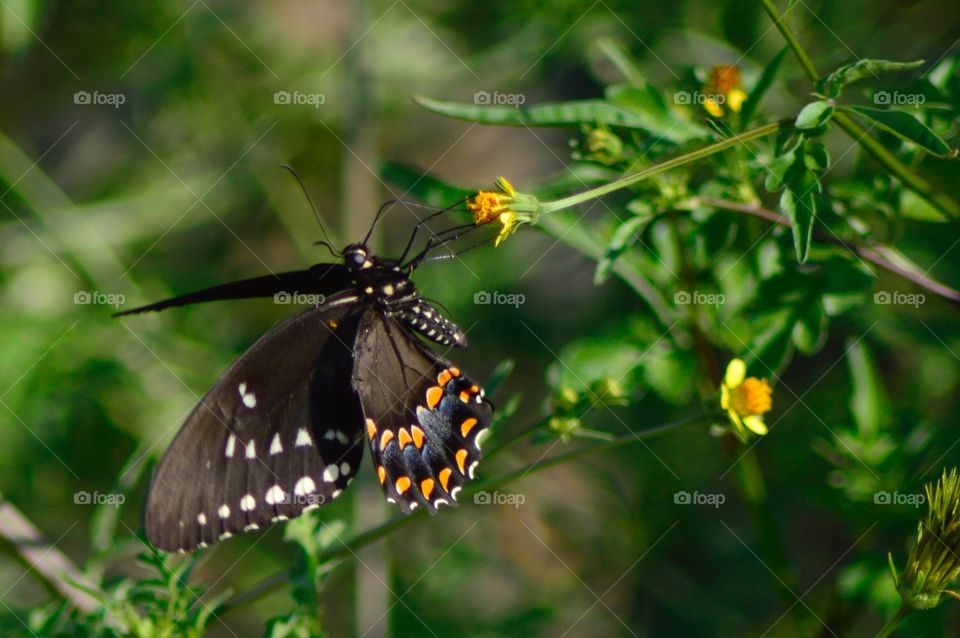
(736, 373)
(756, 424)
(735, 419)
(724, 397)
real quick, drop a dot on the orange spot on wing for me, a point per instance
(467, 425)
(403, 438)
(417, 436)
(403, 484)
(461, 460)
(465, 396)
(454, 371)
(445, 478)
(371, 429)
(385, 438)
(426, 486)
(333, 324)
(434, 394)
(382, 473)
(474, 389)
(444, 378)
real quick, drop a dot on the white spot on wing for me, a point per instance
(251, 449)
(202, 518)
(344, 468)
(249, 398)
(224, 511)
(454, 492)
(303, 438)
(251, 527)
(336, 493)
(225, 536)
(274, 495)
(276, 447)
(304, 486)
(473, 467)
(330, 473)
(343, 438)
(247, 503)
(231, 444)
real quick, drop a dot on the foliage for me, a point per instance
(726, 210)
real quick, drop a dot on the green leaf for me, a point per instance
(620, 57)
(798, 202)
(760, 88)
(771, 347)
(499, 375)
(647, 102)
(912, 206)
(814, 115)
(833, 84)
(846, 285)
(777, 171)
(565, 114)
(816, 156)
(624, 237)
(906, 127)
(868, 402)
(810, 330)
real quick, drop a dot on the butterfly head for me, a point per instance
(356, 257)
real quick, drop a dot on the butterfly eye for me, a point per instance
(356, 258)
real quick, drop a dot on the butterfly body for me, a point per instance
(283, 429)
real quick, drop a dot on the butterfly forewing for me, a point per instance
(422, 415)
(279, 433)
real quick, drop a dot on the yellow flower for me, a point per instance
(746, 399)
(498, 206)
(723, 87)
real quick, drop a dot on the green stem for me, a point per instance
(350, 547)
(895, 621)
(873, 148)
(629, 180)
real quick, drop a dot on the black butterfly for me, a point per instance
(282, 430)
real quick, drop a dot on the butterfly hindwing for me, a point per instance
(279, 433)
(422, 415)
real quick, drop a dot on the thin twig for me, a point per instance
(46, 563)
(881, 255)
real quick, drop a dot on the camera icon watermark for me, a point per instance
(898, 98)
(898, 498)
(300, 298)
(298, 98)
(499, 498)
(496, 298)
(96, 98)
(486, 98)
(696, 97)
(697, 298)
(897, 298)
(97, 298)
(98, 498)
(699, 498)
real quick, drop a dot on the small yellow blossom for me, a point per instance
(723, 87)
(746, 399)
(498, 206)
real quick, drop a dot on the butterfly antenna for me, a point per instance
(391, 202)
(316, 214)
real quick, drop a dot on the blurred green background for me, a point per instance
(179, 187)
